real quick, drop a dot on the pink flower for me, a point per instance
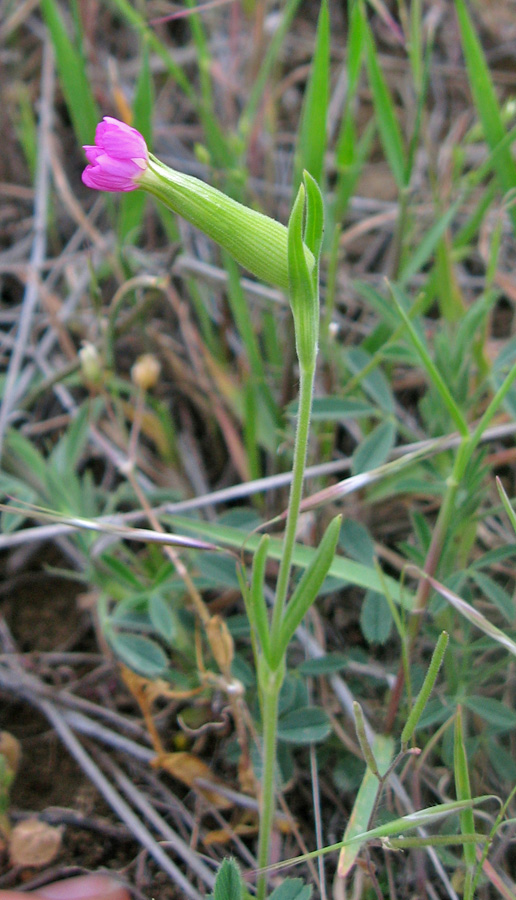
(117, 159)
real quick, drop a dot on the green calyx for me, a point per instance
(256, 242)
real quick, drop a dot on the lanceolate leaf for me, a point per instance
(309, 587)
(346, 570)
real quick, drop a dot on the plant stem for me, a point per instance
(270, 685)
(271, 680)
(296, 491)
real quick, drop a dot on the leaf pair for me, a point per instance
(274, 646)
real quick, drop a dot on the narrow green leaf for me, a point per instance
(427, 246)
(308, 588)
(506, 503)
(436, 840)
(463, 790)
(415, 45)
(346, 570)
(220, 149)
(258, 608)
(257, 92)
(430, 367)
(314, 224)
(15, 487)
(388, 126)
(486, 102)
(418, 819)
(241, 311)
(311, 143)
(139, 23)
(25, 460)
(74, 81)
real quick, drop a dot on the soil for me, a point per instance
(42, 617)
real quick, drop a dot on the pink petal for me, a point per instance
(120, 140)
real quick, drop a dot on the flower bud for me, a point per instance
(119, 161)
(145, 372)
(91, 365)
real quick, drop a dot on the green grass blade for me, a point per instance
(430, 367)
(463, 791)
(219, 148)
(418, 819)
(415, 44)
(72, 74)
(242, 315)
(137, 21)
(429, 243)
(248, 333)
(486, 101)
(507, 503)
(351, 153)
(311, 143)
(257, 91)
(387, 121)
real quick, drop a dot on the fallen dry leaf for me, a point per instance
(188, 768)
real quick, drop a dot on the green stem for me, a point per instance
(296, 491)
(271, 680)
(270, 687)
